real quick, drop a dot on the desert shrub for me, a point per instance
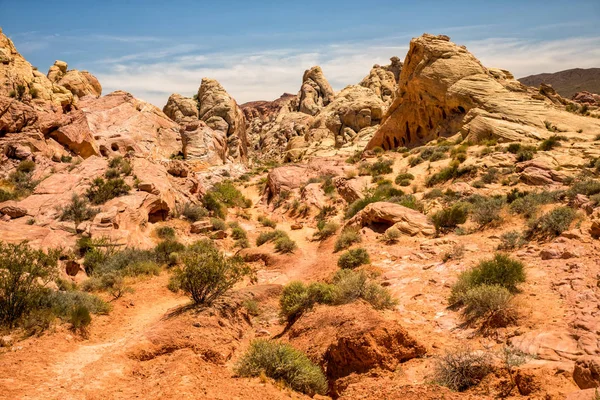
(212, 203)
(207, 274)
(238, 233)
(489, 304)
(378, 296)
(350, 285)
(243, 243)
(550, 143)
(112, 173)
(266, 222)
(444, 175)
(137, 268)
(103, 190)
(163, 250)
(408, 201)
(26, 166)
(354, 258)
(587, 187)
(218, 224)
(114, 284)
(24, 273)
(486, 210)
(461, 369)
(433, 194)
(551, 224)
(502, 270)
(269, 236)
(80, 319)
(120, 165)
(325, 212)
(524, 155)
(326, 229)
(347, 238)
(285, 245)
(358, 205)
(297, 298)
(450, 217)
(282, 362)
(514, 148)
(490, 176)
(78, 210)
(455, 253)
(62, 303)
(404, 179)
(327, 185)
(510, 240)
(527, 204)
(391, 235)
(228, 194)
(165, 232)
(194, 212)
(252, 307)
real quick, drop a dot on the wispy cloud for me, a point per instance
(267, 74)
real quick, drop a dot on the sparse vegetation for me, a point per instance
(511, 240)
(486, 211)
(285, 245)
(266, 222)
(194, 212)
(165, 232)
(449, 218)
(282, 362)
(404, 179)
(461, 369)
(491, 305)
(78, 210)
(325, 229)
(354, 258)
(347, 238)
(103, 190)
(391, 235)
(551, 224)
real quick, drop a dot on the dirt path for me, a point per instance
(63, 367)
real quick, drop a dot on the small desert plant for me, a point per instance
(163, 250)
(207, 274)
(266, 222)
(80, 319)
(551, 224)
(252, 307)
(218, 224)
(492, 305)
(511, 240)
(114, 284)
(404, 179)
(282, 362)
(456, 253)
(347, 238)
(297, 298)
(550, 143)
(461, 369)
(350, 285)
(353, 258)
(165, 232)
(391, 235)
(78, 210)
(379, 167)
(269, 236)
(326, 229)
(103, 190)
(285, 245)
(449, 218)
(238, 233)
(486, 210)
(194, 212)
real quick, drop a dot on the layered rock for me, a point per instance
(221, 113)
(80, 83)
(383, 79)
(385, 215)
(181, 109)
(315, 93)
(200, 143)
(444, 89)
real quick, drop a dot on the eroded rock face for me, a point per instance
(200, 143)
(408, 221)
(444, 89)
(315, 93)
(221, 113)
(181, 109)
(383, 79)
(352, 338)
(587, 372)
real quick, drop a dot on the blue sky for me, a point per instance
(258, 50)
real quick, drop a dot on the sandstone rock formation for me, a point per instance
(383, 80)
(221, 113)
(203, 143)
(386, 215)
(587, 372)
(315, 92)
(444, 89)
(181, 109)
(80, 83)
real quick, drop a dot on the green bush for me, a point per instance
(238, 233)
(194, 212)
(404, 179)
(551, 224)
(514, 148)
(391, 235)
(121, 165)
(502, 270)
(269, 236)
(137, 268)
(78, 210)
(218, 224)
(326, 229)
(285, 245)
(266, 222)
(163, 250)
(26, 166)
(350, 285)
(298, 298)
(353, 258)
(222, 195)
(379, 167)
(212, 203)
(450, 217)
(24, 272)
(165, 232)
(114, 284)
(207, 274)
(444, 175)
(103, 190)
(486, 210)
(282, 362)
(62, 303)
(80, 319)
(490, 304)
(587, 187)
(527, 204)
(347, 238)
(511, 240)
(461, 369)
(550, 143)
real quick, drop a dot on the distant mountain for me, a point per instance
(568, 82)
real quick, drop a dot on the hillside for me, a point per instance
(569, 81)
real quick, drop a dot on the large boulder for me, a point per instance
(180, 108)
(444, 89)
(315, 93)
(221, 113)
(383, 79)
(383, 215)
(587, 372)
(201, 143)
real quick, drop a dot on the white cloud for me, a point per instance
(266, 75)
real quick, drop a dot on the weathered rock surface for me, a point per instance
(444, 89)
(221, 113)
(315, 93)
(80, 83)
(383, 80)
(383, 214)
(344, 343)
(201, 143)
(587, 372)
(181, 109)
